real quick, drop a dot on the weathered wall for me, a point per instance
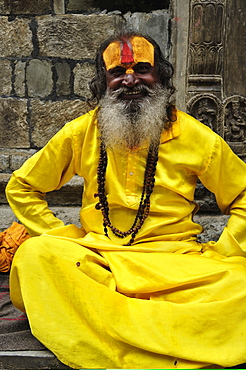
(46, 61)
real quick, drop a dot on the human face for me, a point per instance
(130, 67)
(143, 74)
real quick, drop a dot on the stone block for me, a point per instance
(63, 78)
(69, 215)
(29, 359)
(25, 6)
(12, 159)
(74, 36)
(49, 117)
(19, 78)
(17, 160)
(83, 74)
(154, 24)
(59, 6)
(80, 6)
(70, 194)
(3, 8)
(7, 218)
(13, 123)
(4, 162)
(15, 37)
(39, 78)
(5, 77)
(4, 178)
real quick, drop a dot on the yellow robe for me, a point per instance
(167, 301)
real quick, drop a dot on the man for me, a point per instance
(133, 288)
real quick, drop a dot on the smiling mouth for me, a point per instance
(132, 92)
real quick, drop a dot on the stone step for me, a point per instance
(69, 215)
(30, 360)
(213, 224)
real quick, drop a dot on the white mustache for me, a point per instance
(133, 90)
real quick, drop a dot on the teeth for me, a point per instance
(132, 92)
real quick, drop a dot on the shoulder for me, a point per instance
(200, 142)
(189, 123)
(72, 135)
(193, 143)
(195, 132)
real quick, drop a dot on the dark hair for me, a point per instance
(165, 70)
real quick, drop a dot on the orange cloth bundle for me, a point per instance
(10, 240)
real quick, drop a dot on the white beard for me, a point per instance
(130, 123)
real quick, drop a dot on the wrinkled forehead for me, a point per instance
(129, 51)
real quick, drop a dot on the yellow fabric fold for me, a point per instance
(132, 309)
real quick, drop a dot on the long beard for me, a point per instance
(130, 123)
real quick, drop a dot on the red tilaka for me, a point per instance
(126, 53)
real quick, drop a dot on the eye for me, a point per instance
(142, 68)
(117, 71)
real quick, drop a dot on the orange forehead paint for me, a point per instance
(128, 53)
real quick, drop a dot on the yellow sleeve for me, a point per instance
(46, 171)
(225, 176)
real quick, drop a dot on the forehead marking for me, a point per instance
(131, 51)
(126, 52)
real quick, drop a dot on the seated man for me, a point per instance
(133, 288)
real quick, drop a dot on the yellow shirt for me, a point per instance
(187, 152)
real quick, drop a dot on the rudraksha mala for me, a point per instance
(144, 204)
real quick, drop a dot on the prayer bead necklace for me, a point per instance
(144, 204)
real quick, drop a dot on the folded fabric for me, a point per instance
(10, 240)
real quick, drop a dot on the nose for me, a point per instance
(130, 80)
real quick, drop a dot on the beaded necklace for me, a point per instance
(144, 204)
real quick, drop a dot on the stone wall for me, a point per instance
(47, 50)
(46, 63)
